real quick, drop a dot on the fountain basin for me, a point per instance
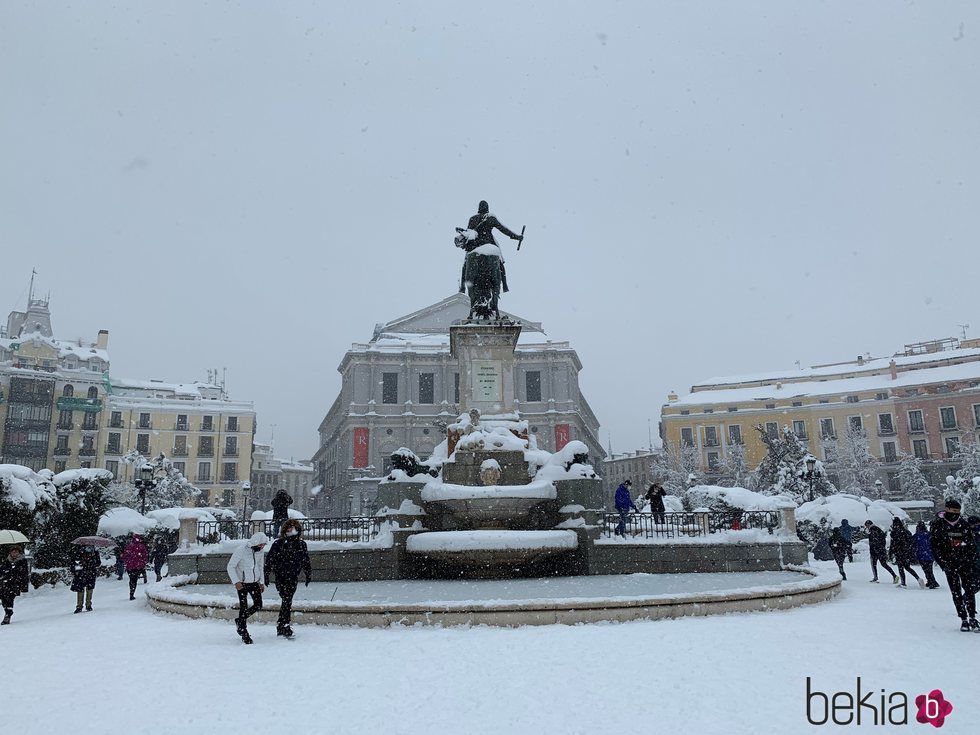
(494, 506)
(491, 549)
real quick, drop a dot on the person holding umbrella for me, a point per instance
(14, 578)
(85, 565)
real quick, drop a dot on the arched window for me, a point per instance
(93, 393)
(68, 391)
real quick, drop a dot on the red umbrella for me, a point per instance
(94, 541)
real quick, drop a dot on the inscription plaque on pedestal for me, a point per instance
(487, 381)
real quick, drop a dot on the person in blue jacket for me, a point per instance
(847, 533)
(623, 504)
(923, 553)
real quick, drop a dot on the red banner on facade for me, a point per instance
(360, 448)
(562, 435)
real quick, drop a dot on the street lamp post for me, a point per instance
(350, 505)
(810, 474)
(246, 486)
(878, 486)
(145, 482)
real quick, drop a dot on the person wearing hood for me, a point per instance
(902, 549)
(287, 557)
(161, 550)
(953, 545)
(134, 558)
(623, 501)
(14, 577)
(85, 565)
(879, 554)
(847, 533)
(838, 547)
(246, 569)
(656, 497)
(923, 553)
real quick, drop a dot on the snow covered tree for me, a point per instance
(733, 466)
(25, 496)
(910, 478)
(80, 498)
(853, 464)
(967, 479)
(172, 489)
(673, 466)
(783, 470)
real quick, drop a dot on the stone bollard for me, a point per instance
(187, 536)
(787, 519)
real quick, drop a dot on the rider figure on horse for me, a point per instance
(483, 223)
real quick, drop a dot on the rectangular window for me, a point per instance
(112, 444)
(915, 421)
(881, 396)
(389, 387)
(855, 422)
(952, 445)
(687, 437)
(427, 388)
(947, 418)
(797, 404)
(88, 445)
(685, 412)
(229, 471)
(180, 446)
(851, 399)
(207, 423)
(827, 429)
(710, 436)
(62, 444)
(772, 430)
(89, 422)
(732, 409)
(232, 423)
(113, 467)
(888, 451)
(64, 420)
(885, 425)
(919, 449)
(204, 472)
(231, 446)
(143, 444)
(770, 405)
(976, 414)
(713, 461)
(179, 467)
(205, 446)
(709, 410)
(181, 422)
(455, 387)
(59, 466)
(144, 421)
(735, 434)
(115, 422)
(532, 384)
(799, 428)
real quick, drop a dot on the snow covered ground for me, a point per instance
(123, 668)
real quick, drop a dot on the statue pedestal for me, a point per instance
(485, 353)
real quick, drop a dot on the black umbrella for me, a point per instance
(94, 541)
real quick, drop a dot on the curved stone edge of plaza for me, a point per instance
(818, 588)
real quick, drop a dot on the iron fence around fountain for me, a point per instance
(358, 528)
(685, 524)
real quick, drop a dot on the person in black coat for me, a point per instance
(656, 497)
(902, 550)
(954, 548)
(838, 547)
(876, 545)
(14, 578)
(280, 511)
(161, 550)
(283, 564)
(85, 565)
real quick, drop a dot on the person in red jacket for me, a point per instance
(135, 557)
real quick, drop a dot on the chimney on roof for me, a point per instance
(893, 369)
(860, 359)
(671, 397)
(103, 341)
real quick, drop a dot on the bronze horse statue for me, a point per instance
(482, 278)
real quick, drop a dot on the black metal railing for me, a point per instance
(680, 525)
(359, 528)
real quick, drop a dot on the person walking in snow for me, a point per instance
(246, 569)
(85, 565)
(838, 547)
(624, 502)
(161, 550)
(117, 551)
(954, 549)
(848, 534)
(134, 558)
(280, 510)
(879, 555)
(923, 553)
(656, 497)
(902, 550)
(14, 578)
(287, 557)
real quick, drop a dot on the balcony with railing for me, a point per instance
(229, 452)
(65, 426)
(86, 452)
(205, 452)
(73, 403)
(112, 449)
(180, 426)
(116, 424)
(179, 452)
(60, 451)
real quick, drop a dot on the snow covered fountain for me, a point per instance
(489, 504)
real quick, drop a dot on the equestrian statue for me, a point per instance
(483, 274)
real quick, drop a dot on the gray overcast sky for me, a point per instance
(708, 188)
